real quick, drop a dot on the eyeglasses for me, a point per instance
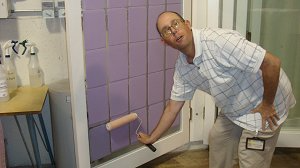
(167, 31)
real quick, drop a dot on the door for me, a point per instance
(275, 25)
(89, 141)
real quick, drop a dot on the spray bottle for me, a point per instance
(9, 67)
(4, 95)
(35, 72)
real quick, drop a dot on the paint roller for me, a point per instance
(125, 120)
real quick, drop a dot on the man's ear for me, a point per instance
(188, 23)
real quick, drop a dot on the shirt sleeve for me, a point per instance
(181, 90)
(235, 51)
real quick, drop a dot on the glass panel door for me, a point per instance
(275, 25)
(280, 34)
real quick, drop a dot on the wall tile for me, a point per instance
(153, 13)
(169, 83)
(99, 142)
(96, 67)
(117, 26)
(142, 114)
(173, 1)
(120, 136)
(171, 57)
(97, 104)
(117, 3)
(137, 23)
(137, 59)
(155, 87)
(156, 2)
(118, 62)
(174, 7)
(94, 28)
(93, 4)
(154, 113)
(137, 92)
(155, 56)
(137, 2)
(118, 97)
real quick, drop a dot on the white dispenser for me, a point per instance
(4, 95)
(35, 72)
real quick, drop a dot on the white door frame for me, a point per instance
(76, 66)
(205, 13)
(76, 61)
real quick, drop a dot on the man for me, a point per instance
(246, 82)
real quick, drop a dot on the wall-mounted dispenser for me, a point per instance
(61, 9)
(48, 9)
(4, 8)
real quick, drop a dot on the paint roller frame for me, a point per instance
(125, 120)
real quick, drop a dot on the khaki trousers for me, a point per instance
(227, 146)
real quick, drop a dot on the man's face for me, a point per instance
(174, 31)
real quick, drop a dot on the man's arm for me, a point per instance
(169, 115)
(270, 68)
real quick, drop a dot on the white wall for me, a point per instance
(49, 36)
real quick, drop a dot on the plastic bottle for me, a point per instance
(4, 95)
(11, 75)
(35, 72)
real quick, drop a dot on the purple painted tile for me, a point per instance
(95, 67)
(155, 56)
(155, 87)
(94, 28)
(137, 92)
(93, 4)
(171, 57)
(174, 7)
(117, 3)
(154, 113)
(137, 2)
(120, 136)
(173, 1)
(169, 83)
(117, 26)
(99, 142)
(137, 23)
(118, 62)
(118, 97)
(156, 2)
(153, 12)
(142, 114)
(97, 105)
(137, 59)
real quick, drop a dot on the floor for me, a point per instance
(191, 156)
(195, 155)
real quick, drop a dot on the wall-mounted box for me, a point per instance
(5, 8)
(48, 10)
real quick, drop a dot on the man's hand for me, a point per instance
(268, 114)
(144, 138)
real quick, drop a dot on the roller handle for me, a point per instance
(151, 147)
